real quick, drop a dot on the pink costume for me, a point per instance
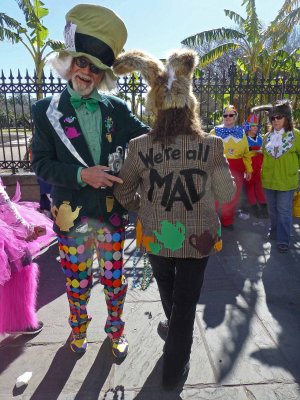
(18, 274)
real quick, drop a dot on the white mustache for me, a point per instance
(83, 76)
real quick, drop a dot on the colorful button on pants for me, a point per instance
(76, 255)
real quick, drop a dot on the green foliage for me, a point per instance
(261, 48)
(216, 53)
(198, 73)
(212, 36)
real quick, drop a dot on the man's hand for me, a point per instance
(99, 176)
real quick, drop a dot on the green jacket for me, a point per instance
(282, 173)
(59, 149)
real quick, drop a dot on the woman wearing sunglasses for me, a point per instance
(280, 177)
(238, 156)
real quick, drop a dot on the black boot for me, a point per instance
(264, 211)
(175, 381)
(163, 328)
(255, 211)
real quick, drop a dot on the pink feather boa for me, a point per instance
(18, 300)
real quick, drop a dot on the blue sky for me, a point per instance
(156, 26)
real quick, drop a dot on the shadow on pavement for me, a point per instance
(52, 280)
(61, 369)
(153, 381)
(57, 374)
(281, 281)
(230, 280)
(246, 261)
(11, 348)
(97, 375)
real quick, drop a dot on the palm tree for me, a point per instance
(34, 36)
(261, 47)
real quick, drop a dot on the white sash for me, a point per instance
(54, 115)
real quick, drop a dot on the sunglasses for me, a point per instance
(82, 62)
(228, 115)
(278, 117)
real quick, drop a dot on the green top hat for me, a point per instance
(94, 32)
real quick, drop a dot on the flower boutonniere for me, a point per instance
(109, 127)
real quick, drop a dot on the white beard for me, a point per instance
(83, 88)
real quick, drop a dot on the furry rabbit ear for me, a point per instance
(183, 62)
(136, 60)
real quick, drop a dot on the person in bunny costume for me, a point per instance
(180, 172)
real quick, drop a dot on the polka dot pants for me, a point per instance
(76, 255)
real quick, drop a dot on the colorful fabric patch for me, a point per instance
(109, 200)
(218, 245)
(147, 240)
(155, 248)
(71, 132)
(236, 133)
(172, 236)
(287, 141)
(69, 120)
(115, 220)
(254, 142)
(64, 216)
(203, 243)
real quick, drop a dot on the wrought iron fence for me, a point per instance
(17, 94)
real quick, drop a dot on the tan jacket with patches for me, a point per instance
(178, 186)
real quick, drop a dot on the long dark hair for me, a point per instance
(288, 125)
(175, 121)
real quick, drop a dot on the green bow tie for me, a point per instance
(91, 104)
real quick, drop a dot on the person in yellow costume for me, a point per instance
(237, 152)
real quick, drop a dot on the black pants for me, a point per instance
(179, 283)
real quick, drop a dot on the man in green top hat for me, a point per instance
(78, 144)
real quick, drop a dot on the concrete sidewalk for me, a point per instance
(246, 337)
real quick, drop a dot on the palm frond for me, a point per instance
(28, 10)
(55, 45)
(252, 25)
(238, 19)
(212, 35)
(9, 28)
(10, 22)
(9, 35)
(216, 53)
(280, 30)
(285, 10)
(291, 19)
